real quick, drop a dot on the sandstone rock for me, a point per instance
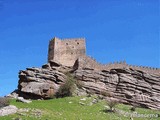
(156, 87)
(53, 63)
(8, 110)
(21, 99)
(37, 83)
(128, 85)
(14, 94)
(81, 103)
(46, 66)
(83, 99)
(94, 101)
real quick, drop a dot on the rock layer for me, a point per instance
(38, 83)
(129, 85)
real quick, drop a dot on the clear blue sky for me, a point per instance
(114, 30)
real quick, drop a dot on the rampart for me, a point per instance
(90, 62)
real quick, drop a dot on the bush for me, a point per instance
(67, 88)
(112, 104)
(4, 102)
(133, 108)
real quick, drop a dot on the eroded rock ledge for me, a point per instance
(129, 85)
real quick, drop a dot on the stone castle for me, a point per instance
(71, 52)
(135, 85)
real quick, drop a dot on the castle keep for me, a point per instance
(66, 51)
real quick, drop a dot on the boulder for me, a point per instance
(11, 109)
(39, 83)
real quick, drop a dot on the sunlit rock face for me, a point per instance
(128, 85)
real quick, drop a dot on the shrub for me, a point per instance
(133, 108)
(4, 102)
(67, 88)
(112, 104)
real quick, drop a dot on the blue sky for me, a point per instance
(115, 30)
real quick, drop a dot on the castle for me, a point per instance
(71, 52)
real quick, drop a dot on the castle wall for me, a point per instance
(66, 51)
(89, 62)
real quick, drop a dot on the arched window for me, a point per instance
(66, 43)
(77, 43)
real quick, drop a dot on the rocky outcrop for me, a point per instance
(36, 83)
(130, 86)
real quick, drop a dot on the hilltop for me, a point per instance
(134, 85)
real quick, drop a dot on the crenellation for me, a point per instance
(72, 39)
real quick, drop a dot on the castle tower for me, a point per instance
(66, 51)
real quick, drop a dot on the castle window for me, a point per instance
(71, 53)
(72, 46)
(77, 43)
(66, 43)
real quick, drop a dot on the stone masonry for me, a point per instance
(66, 51)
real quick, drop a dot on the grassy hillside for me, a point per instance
(73, 108)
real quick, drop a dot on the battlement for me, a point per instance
(89, 62)
(72, 39)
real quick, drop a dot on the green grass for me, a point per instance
(62, 109)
